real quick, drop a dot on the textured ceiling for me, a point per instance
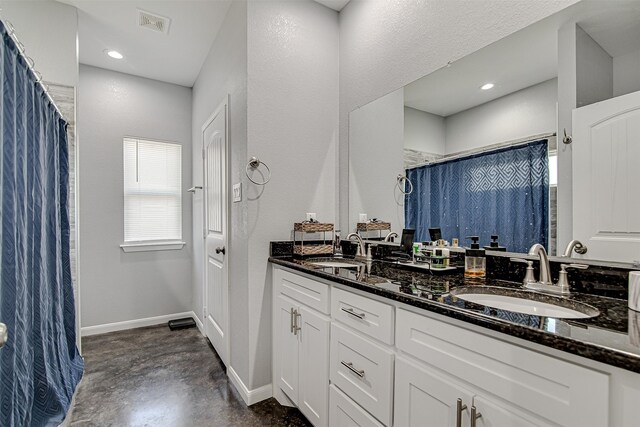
(175, 57)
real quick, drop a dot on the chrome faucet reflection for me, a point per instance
(391, 235)
(576, 245)
(360, 254)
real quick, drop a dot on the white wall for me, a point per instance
(527, 112)
(376, 159)
(423, 131)
(386, 45)
(118, 286)
(594, 67)
(293, 126)
(285, 56)
(626, 73)
(49, 31)
(217, 79)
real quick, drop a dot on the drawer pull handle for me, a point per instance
(353, 313)
(474, 415)
(291, 318)
(459, 408)
(350, 367)
(296, 327)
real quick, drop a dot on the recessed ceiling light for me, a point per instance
(114, 54)
(486, 86)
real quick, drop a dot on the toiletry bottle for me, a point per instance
(475, 263)
(494, 245)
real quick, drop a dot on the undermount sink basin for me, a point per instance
(336, 264)
(526, 302)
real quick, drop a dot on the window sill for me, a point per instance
(152, 246)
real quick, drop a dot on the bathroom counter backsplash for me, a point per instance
(612, 337)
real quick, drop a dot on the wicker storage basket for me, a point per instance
(308, 250)
(373, 226)
(312, 227)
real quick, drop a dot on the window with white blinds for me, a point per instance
(152, 190)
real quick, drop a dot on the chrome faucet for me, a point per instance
(575, 245)
(539, 250)
(545, 283)
(360, 254)
(390, 236)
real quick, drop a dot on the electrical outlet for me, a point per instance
(237, 192)
(311, 216)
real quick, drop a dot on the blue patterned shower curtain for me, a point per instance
(503, 192)
(40, 365)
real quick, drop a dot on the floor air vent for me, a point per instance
(153, 22)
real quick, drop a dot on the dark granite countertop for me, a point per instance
(612, 337)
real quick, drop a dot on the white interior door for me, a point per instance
(606, 178)
(216, 309)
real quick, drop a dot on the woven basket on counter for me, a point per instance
(312, 227)
(302, 246)
(312, 250)
(373, 226)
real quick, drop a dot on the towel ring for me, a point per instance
(407, 181)
(254, 163)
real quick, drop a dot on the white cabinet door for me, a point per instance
(423, 398)
(606, 178)
(287, 348)
(498, 414)
(313, 394)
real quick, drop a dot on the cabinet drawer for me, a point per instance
(363, 370)
(563, 392)
(344, 412)
(307, 291)
(368, 316)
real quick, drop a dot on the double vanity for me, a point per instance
(384, 344)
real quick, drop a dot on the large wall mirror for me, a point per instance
(482, 140)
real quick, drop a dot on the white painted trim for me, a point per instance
(249, 396)
(199, 324)
(152, 246)
(131, 324)
(225, 354)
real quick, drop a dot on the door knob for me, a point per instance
(220, 250)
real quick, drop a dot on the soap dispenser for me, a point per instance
(494, 245)
(475, 262)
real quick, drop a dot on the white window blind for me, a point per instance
(152, 190)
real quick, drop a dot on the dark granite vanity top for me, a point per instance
(612, 337)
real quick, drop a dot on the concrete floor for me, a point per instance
(157, 377)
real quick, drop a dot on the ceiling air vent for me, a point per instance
(153, 22)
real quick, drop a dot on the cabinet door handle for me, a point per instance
(350, 367)
(352, 312)
(474, 415)
(291, 321)
(296, 316)
(459, 408)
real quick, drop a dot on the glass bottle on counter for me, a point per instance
(475, 261)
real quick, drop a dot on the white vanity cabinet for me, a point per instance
(511, 384)
(301, 343)
(348, 358)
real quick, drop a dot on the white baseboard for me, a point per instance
(249, 396)
(136, 323)
(199, 324)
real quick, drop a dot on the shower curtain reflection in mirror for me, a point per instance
(503, 192)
